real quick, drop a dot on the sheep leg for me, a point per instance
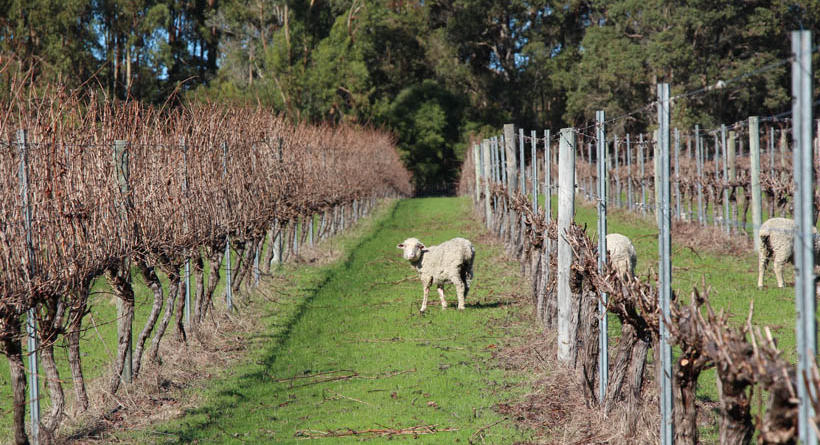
(460, 290)
(424, 301)
(761, 266)
(441, 296)
(778, 272)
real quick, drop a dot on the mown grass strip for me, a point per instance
(354, 359)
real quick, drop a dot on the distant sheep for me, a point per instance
(777, 243)
(622, 254)
(449, 261)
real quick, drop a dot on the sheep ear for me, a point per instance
(400, 246)
(422, 246)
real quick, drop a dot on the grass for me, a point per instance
(349, 350)
(98, 344)
(98, 341)
(355, 323)
(733, 279)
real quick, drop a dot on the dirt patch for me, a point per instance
(710, 239)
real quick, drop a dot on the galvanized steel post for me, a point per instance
(643, 173)
(547, 178)
(485, 162)
(699, 166)
(31, 326)
(228, 265)
(677, 174)
(187, 277)
(603, 343)
(725, 155)
(804, 213)
(665, 267)
(629, 204)
(534, 158)
(522, 169)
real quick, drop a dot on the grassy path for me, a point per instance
(354, 354)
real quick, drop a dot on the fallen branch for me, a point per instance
(373, 432)
(484, 428)
(352, 375)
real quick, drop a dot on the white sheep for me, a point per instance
(777, 243)
(622, 254)
(449, 261)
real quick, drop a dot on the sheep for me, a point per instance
(449, 261)
(622, 254)
(777, 243)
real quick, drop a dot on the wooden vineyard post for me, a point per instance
(31, 326)
(771, 168)
(757, 205)
(477, 162)
(509, 151)
(566, 211)
(487, 173)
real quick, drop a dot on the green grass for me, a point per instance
(360, 315)
(359, 318)
(98, 341)
(733, 280)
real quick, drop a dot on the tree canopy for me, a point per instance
(434, 72)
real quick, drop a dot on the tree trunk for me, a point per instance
(735, 419)
(151, 279)
(214, 262)
(245, 264)
(55, 389)
(173, 290)
(13, 349)
(588, 346)
(76, 315)
(635, 376)
(684, 389)
(181, 335)
(274, 230)
(120, 280)
(200, 290)
(618, 373)
(779, 425)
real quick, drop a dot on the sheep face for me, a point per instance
(411, 249)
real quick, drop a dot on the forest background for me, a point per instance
(435, 72)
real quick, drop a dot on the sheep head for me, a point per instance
(412, 249)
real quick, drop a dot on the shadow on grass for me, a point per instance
(487, 304)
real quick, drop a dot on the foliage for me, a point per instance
(540, 64)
